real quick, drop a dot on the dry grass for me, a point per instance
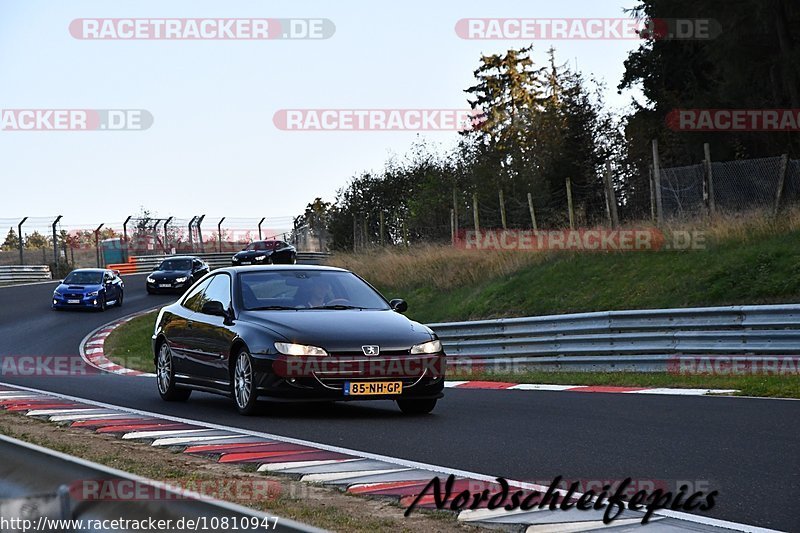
(444, 267)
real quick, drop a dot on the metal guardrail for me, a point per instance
(24, 273)
(146, 263)
(36, 485)
(615, 340)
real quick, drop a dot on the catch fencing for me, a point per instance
(729, 186)
(641, 340)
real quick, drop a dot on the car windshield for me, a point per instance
(84, 278)
(304, 290)
(175, 264)
(262, 245)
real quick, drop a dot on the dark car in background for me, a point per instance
(176, 274)
(293, 334)
(89, 288)
(266, 253)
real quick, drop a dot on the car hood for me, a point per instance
(169, 275)
(343, 330)
(78, 289)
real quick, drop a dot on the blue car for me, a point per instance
(89, 288)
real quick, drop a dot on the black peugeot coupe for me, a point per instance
(292, 334)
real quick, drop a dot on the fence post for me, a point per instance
(200, 233)
(452, 227)
(166, 235)
(657, 183)
(475, 217)
(570, 209)
(502, 208)
(55, 243)
(712, 207)
(21, 241)
(191, 239)
(455, 212)
(97, 243)
(125, 249)
(652, 194)
(533, 212)
(611, 197)
(219, 234)
(781, 181)
(259, 226)
(380, 220)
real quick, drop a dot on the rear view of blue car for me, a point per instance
(89, 288)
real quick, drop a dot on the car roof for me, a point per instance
(181, 257)
(100, 270)
(272, 268)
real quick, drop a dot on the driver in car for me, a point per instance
(317, 292)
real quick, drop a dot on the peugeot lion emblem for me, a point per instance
(371, 350)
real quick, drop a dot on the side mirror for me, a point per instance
(214, 308)
(399, 305)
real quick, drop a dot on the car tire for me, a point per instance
(243, 384)
(165, 377)
(103, 305)
(416, 407)
(119, 299)
(150, 291)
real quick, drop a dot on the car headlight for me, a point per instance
(92, 294)
(56, 293)
(150, 279)
(260, 258)
(181, 280)
(427, 347)
(287, 348)
(234, 258)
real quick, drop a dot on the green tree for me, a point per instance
(12, 240)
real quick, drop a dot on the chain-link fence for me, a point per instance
(731, 186)
(64, 244)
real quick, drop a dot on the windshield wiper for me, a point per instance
(338, 306)
(273, 308)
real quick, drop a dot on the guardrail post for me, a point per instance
(97, 243)
(21, 241)
(55, 242)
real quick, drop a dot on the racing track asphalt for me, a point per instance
(747, 449)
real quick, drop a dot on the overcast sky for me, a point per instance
(213, 147)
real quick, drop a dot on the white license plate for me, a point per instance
(73, 301)
(164, 285)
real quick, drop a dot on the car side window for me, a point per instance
(194, 300)
(219, 290)
(197, 264)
